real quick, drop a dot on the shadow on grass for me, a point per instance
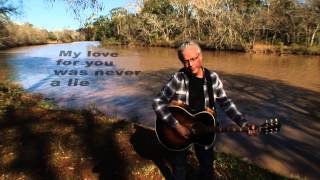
(56, 144)
(146, 144)
(100, 143)
(26, 150)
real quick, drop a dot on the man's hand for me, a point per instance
(182, 130)
(252, 130)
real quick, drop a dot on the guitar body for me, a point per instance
(170, 138)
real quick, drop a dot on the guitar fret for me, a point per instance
(228, 129)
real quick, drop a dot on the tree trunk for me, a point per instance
(313, 35)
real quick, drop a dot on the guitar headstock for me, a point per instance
(270, 126)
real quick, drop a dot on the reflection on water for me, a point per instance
(120, 89)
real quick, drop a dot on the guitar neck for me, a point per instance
(229, 129)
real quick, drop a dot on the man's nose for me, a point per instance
(191, 63)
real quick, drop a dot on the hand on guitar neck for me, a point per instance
(252, 129)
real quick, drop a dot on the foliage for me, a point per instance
(26, 34)
(12, 34)
(79, 7)
(218, 24)
(10, 97)
(5, 9)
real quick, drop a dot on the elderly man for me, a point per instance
(198, 88)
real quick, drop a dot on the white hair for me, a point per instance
(186, 44)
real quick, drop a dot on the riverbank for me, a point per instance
(258, 48)
(33, 44)
(17, 35)
(281, 49)
(40, 140)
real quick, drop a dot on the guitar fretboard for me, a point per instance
(229, 129)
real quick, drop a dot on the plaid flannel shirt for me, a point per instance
(178, 89)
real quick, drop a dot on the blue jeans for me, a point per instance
(205, 158)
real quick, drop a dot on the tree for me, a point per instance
(79, 6)
(313, 21)
(5, 10)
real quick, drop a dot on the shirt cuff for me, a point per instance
(241, 121)
(244, 124)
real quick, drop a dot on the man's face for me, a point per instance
(192, 60)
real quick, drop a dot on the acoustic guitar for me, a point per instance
(202, 127)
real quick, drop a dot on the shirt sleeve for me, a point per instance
(161, 102)
(226, 103)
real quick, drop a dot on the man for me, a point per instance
(190, 86)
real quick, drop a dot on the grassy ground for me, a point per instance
(40, 141)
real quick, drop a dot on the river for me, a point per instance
(122, 81)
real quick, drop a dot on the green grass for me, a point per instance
(235, 167)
